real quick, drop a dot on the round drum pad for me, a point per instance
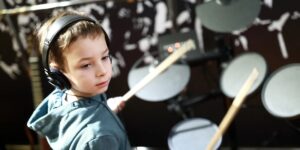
(192, 134)
(228, 15)
(238, 70)
(165, 86)
(281, 92)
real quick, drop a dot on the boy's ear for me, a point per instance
(53, 65)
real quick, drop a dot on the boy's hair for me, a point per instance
(66, 37)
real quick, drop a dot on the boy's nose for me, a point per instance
(100, 70)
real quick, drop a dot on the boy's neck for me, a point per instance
(71, 96)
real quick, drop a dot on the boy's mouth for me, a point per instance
(102, 84)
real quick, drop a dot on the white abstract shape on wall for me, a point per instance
(241, 39)
(106, 26)
(3, 27)
(185, 29)
(128, 46)
(161, 21)
(278, 25)
(117, 63)
(121, 60)
(184, 16)
(142, 23)
(124, 13)
(27, 23)
(88, 8)
(144, 44)
(268, 3)
(139, 8)
(110, 4)
(282, 45)
(11, 70)
(147, 24)
(148, 3)
(16, 47)
(258, 21)
(295, 15)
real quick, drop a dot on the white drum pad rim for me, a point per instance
(279, 110)
(234, 75)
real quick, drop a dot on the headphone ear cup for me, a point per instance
(58, 79)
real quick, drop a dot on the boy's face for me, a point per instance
(88, 66)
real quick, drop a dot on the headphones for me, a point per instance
(54, 76)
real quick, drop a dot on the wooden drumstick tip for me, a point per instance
(246, 88)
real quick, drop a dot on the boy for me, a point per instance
(75, 51)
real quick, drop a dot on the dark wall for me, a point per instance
(133, 32)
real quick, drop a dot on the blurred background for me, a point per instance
(231, 37)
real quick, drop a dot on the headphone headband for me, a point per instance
(55, 29)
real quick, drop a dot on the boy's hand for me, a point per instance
(116, 104)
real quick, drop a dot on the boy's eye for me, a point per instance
(86, 66)
(106, 57)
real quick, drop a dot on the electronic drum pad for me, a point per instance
(281, 92)
(165, 86)
(192, 134)
(237, 71)
(228, 15)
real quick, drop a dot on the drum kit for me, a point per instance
(154, 80)
(280, 90)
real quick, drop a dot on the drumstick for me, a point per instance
(234, 108)
(188, 45)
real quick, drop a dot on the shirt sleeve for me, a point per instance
(106, 142)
